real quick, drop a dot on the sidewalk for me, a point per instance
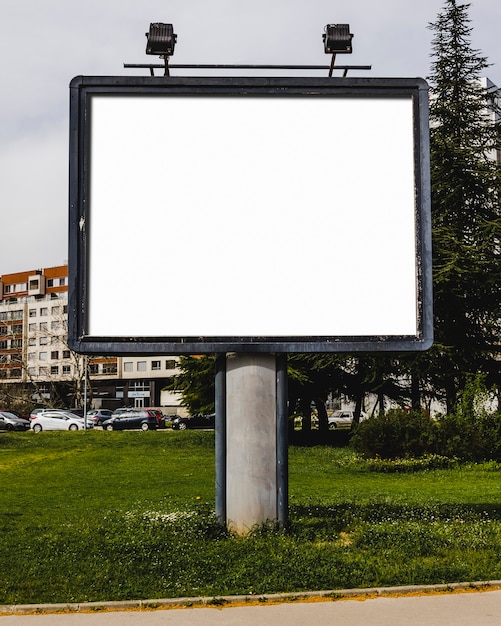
(463, 606)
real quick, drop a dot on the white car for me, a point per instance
(343, 418)
(58, 420)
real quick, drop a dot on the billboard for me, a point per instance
(249, 214)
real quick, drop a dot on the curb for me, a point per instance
(225, 601)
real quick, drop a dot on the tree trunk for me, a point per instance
(323, 419)
(306, 413)
(415, 392)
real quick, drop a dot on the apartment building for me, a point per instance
(35, 356)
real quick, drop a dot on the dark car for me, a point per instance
(194, 421)
(79, 412)
(140, 418)
(9, 421)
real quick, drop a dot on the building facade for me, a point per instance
(37, 364)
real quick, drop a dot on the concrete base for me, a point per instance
(251, 441)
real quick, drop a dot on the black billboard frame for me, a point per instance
(82, 88)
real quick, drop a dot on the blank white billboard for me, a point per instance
(230, 216)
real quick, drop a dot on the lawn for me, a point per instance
(110, 516)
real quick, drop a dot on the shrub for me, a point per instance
(471, 432)
(397, 434)
(470, 437)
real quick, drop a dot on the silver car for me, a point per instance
(343, 418)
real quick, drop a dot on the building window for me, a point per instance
(32, 327)
(43, 341)
(16, 343)
(141, 366)
(56, 310)
(66, 370)
(32, 313)
(43, 371)
(44, 311)
(32, 356)
(139, 385)
(3, 330)
(17, 329)
(94, 368)
(42, 356)
(128, 366)
(3, 344)
(155, 365)
(170, 364)
(55, 325)
(17, 315)
(54, 369)
(43, 326)
(109, 368)
(32, 341)
(66, 354)
(34, 284)
(65, 308)
(54, 355)
(32, 371)
(50, 282)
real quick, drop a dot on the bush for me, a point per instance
(470, 437)
(397, 434)
(471, 433)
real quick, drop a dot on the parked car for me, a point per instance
(343, 418)
(159, 416)
(78, 412)
(58, 420)
(194, 421)
(9, 421)
(39, 410)
(132, 419)
(98, 416)
(123, 409)
(19, 416)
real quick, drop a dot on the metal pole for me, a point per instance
(85, 391)
(220, 442)
(282, 441)
(224, 66)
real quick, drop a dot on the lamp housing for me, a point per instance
(337, 39)
(161, 39)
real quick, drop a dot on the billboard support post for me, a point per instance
(266, 419)
(251, 441)
(220, 438)
(282, 421)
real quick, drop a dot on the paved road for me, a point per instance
(476, 608)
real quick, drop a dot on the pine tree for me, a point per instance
(465, 180)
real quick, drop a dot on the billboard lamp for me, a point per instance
(337, 40)
(161, 42)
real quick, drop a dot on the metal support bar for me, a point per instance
(331, 68)
(218, 66)
(220, 438)
(282, 418)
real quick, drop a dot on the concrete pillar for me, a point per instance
(251, 441)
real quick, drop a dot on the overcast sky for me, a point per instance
(45, 44)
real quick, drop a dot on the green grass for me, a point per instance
(110, 516)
